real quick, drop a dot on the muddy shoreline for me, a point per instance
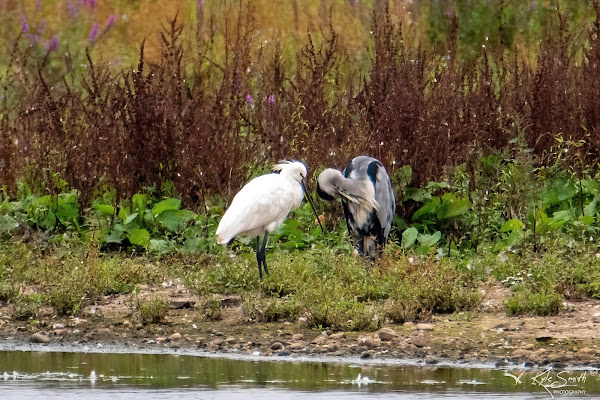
(486, 338)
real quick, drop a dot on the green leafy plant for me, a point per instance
(153, 310)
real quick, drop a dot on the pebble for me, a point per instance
(175, 336)
(277, 346)
(338, 336)
(39, 338)
(321, 339)
(284, 353)
(331, 347)
(104, 332)
(431, 361)
(365, 354)
(296, 346)
(424, 327)
(419, 341)
(366, 341)
(58, 325)
(544, 338)
(298, 336)
(522, 353)
(387, 334)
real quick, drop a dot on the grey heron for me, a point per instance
(367, 199)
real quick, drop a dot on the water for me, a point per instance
(73, 375)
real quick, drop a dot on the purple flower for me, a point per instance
(271, 99)
(38, 5)
(90, 3)
(111, 21)
(93, 33)
(533, 5)
(249, 99)
(73, 8)
(24, 26)
(52, 45)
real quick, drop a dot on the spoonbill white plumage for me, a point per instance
(263, 204)
(367, 198)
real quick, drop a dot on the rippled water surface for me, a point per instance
(71, 375)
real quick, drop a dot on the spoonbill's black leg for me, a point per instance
(263, 253)
(258, 260)
(261, 258)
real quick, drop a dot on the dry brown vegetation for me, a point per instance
(209, 126)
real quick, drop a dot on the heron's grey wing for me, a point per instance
(384, 194)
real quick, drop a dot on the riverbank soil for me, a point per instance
(484, 335)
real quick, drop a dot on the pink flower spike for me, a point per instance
(271, 99)
(24, 27)
(53, 45)
(94, 33)
(111, 21)
(249, 99)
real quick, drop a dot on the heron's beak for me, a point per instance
(311, 204)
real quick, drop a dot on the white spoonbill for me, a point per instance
(263, 204)
(367, 198)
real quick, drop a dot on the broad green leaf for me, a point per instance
(587, 220)
(192, 245)
(429, 208)
(560, 190)
(403, 175)
(416, 194)
(130, 218)
(400, 222)
(171, 220)
(50, 220)
(139, 237)
(559, 218)
(453, 208)
(429, 240)
(591, 187)
(116, 235)
(409, 237)
(104, 209)
(139, 202)
(67, 212)
(69, 198)
(123, 212)
(46, 201)
(592, 207)
(422, 250)
(170, 204)
(514, 238)
(7, 223)
(186, 215)
(512, 225)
